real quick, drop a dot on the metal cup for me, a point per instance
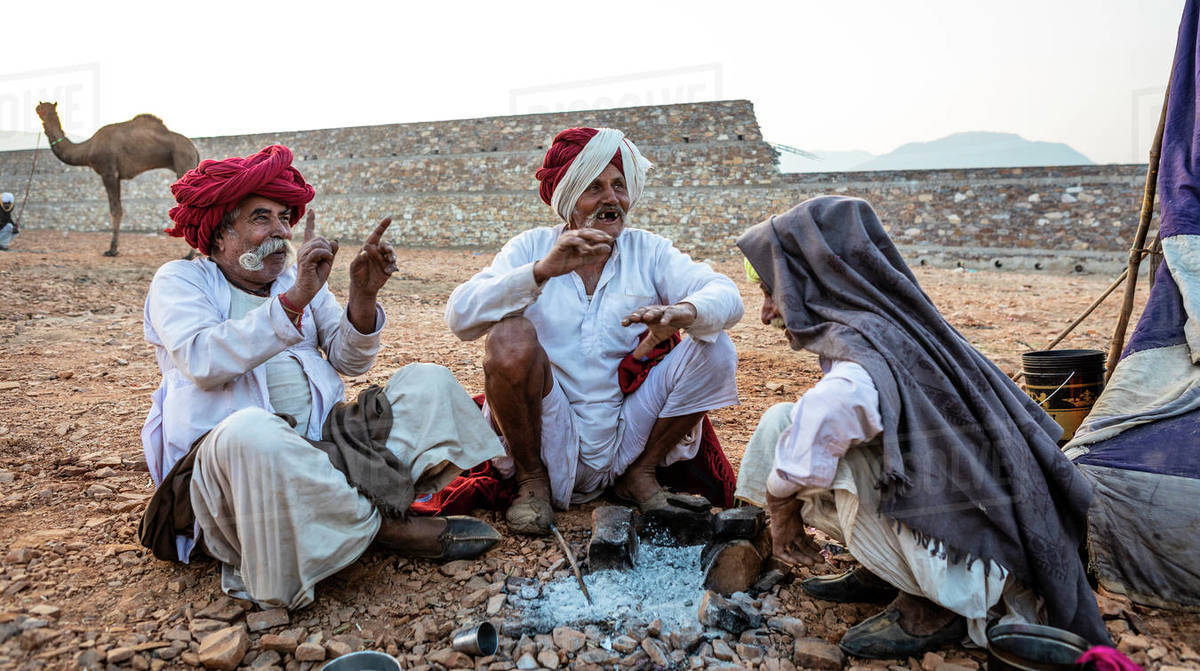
(364, 660)
(478, 640)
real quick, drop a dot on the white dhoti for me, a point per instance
(280, 518)
(848, 512)
(694, 377)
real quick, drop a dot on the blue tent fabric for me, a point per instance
(1140, 445)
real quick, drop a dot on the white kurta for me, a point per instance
(213, 366)
(820, 450)
(583, 336)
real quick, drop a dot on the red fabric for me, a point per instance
(562, 152)
(1104, 658)
(709, 473)
(213, 188)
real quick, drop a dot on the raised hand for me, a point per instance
(573, 249)
(314, 261)
(661, 321)
(374, 263)
(789, 539)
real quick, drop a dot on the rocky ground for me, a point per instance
(76, 590)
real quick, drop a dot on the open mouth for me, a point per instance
(608, 216)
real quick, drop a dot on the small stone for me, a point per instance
(6, 477)
(768, 580)
(178, 634)
(44, 610)
(460, 569)
(624, 644)
(792, 626)
(614, 544)
(285, 643)
(118, 655)
(1131, 643)
(98, 491)
(90, 659)
(721, 650)
(337, 648)
(655, 652)
(310, 652)
(224, 648)
(18, 556)
(569, 640)
(494, 604)
(814, 653)
(265, 659)
(931, 660)
(655, 628)
(267, 619)
(548, 659)
(748, 652)
(718, 612)
(734, 523)
(732, 566)
(773, 386)
(201, 626)
(527, 662)
(224, 609)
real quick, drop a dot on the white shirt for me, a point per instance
(583, 338)
(840, 411)
(287, 385)
(213, 365)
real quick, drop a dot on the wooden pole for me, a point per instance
(1139, 240)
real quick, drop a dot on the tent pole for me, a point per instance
(1139, 241)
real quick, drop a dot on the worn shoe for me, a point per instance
(882, 637)
(854, 586)
(463, 538)
(530, 515)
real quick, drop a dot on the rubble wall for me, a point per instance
(470, 183)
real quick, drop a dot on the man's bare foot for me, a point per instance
(919, 616)
(636, 485)
(531, 512)
(415, 535)
(789, 539)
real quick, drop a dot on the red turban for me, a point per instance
(563, 150)
(213, 188)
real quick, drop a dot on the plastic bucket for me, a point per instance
(1065, 382)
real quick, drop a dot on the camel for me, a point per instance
(121, 151)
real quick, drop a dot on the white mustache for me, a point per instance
(253, 260)
(592, 218)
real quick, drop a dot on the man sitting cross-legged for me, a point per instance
(938, 474)
(563, 306)
(241, 334)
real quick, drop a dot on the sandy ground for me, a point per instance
(75, 382)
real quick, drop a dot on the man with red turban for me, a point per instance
(561, 307)
(258, 461)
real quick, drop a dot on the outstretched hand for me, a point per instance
(313, 263)
(661, 322)
(374, 263)
(790, 541)
(573, 249)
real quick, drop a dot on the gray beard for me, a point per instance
(253, 260)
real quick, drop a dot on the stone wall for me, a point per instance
(469, 183)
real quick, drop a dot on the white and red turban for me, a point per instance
(213, 188)
(578, 156)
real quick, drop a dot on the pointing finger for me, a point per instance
(377, 234)
(310, 226)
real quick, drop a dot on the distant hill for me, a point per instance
(977, 149)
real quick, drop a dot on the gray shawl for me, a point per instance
(970, 462)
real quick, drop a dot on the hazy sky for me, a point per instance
(824, 75)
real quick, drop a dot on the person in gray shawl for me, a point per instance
(927, 462)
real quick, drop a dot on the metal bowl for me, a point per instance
(1033, 647)
(365, 660)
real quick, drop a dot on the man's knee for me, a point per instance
(423, 374)
(512, 351)
(778, 416)
(245, 433)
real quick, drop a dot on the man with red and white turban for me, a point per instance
(258, 461)
(563, 307)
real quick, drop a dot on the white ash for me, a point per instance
(665, 585)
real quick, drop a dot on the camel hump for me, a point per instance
(149, 118)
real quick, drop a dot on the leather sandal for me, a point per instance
(882, 637)
(854, 586)
(530, 515)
